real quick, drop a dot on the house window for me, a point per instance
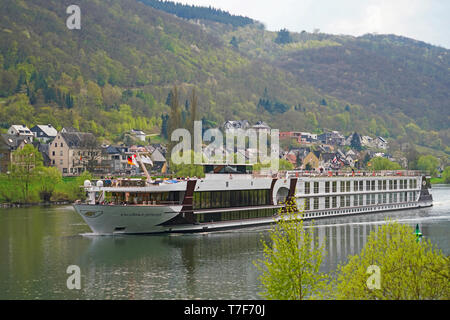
(380, 185)
(327, 202)
(348, 186)
(361, 185)
(342, 186)
(327, 186)
(56, 145)
(61, 153)
(384, 184)
(347, 201)
(390, 185)
(342, 201)
(316, 187)
(334, 186)
(53, 153)
(355, 185)
(334, 202)
(395, 184)
(367, 185)
(61, 144)
(373, 185)
(64, 170)
(60, 161)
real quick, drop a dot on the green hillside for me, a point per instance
(116, 72)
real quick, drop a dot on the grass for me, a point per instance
(437, 181)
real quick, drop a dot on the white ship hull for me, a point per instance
(356, 196)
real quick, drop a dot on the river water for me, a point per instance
(38, 244)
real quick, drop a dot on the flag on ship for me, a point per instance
(132, 160)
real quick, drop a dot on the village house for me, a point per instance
(21, 130)
(138, 134)
(235, 125)
(74, 152)
(311, 160)
(331, 137)
(9, 144)
(44, 133)
(261, 126)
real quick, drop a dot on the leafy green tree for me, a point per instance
(283, 37)
(187, 170)
(285, 165)
(47, 178)
(291, 260)
(380, 163)
(24, 168)
(409, 269)
(428, 163)
(446, 175)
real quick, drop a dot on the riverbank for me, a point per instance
(25, 205)
(437, 181)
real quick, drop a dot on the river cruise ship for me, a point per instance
(232, 196)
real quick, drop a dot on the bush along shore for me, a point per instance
(21, 205)
(29, 182)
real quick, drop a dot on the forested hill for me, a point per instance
(116, 72)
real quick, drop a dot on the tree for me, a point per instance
(380, 163)
(285, 165)
(187, 170)
(174, 116)
(292, 258)
(428, 164)
(356, 142)
(283, 37)
(408, 269)
(47, 178)
(234, 42)
(446, 175)
(26, 162)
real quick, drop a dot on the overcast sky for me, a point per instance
(426, 20)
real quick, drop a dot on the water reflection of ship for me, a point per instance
(188, 257)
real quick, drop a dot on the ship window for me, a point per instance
(348, 186)
(327, 202)
(307, 204)
(342, 200)
(334, 202)
(355, 185)
(316, 203)
(316, 187)
(342, 186)
(327, 186)
(373, 185)
(307, 187)
(384, 184)
(367, 185)
(347, 201)
(334, 183)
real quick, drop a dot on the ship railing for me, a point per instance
(359, 173)
(143, 203)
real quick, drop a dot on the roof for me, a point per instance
(328, 156)
(21, 129)
(79, 139)
(157, 156)
(69, 129)
(14, 141)
(47, 129)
